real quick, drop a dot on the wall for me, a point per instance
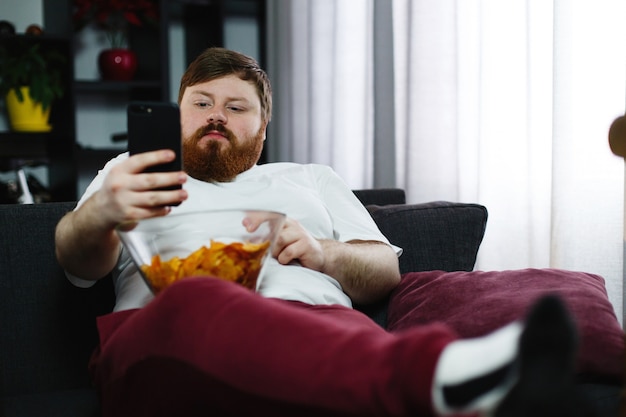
(22, 12)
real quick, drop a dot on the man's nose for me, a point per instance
(216, 116)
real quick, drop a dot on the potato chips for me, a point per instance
(238, 262)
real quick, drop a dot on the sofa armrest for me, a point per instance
(434, 236)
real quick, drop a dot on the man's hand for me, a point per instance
(86, 243)
(366, 270)
(130, 194)
(295, 243)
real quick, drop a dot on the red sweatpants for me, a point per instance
(209, 347)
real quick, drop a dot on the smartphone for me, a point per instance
(153, 126)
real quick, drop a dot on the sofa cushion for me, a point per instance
(475, 303)
(439, 235)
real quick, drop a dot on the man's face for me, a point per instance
(222, 128)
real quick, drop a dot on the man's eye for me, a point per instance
(235, 109)
(202, 104)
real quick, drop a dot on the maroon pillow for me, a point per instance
(475, 303)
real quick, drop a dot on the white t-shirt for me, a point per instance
(314, 195)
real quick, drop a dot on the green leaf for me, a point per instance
(25, 63)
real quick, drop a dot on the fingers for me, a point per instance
(152, 199)
(294, 242)
(131, 194)
(153, 183)
(141, 161)
(157, 180)
(137, 213)
(133, 170)
(254, 219)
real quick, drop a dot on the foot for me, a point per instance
(546, 366)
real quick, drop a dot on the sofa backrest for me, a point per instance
(380, 196)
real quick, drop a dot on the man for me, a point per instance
(205, 346)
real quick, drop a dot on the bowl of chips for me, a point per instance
(205, 243)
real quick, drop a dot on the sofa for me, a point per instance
(48, 332)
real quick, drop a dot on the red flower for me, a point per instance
(114, 15)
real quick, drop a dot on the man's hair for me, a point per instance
(215, 63)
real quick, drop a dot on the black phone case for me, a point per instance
(153, 126)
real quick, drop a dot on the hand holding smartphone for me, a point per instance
(153, 126)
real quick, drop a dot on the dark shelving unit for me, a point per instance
(55, 149)
(100, 87)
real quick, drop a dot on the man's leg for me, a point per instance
(211, 346)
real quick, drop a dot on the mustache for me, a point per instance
(212, 127)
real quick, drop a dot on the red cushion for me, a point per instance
(475, 303)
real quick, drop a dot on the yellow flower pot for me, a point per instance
(27, 115)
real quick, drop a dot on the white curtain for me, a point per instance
(506, 104)
(320, 62)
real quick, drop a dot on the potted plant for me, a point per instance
(114, 17)
(30, 80)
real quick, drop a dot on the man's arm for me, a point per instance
(366, 270)
(86, 244)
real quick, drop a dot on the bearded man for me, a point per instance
(295, 346)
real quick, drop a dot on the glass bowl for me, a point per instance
(204, 243)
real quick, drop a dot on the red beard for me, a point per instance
(219, 161)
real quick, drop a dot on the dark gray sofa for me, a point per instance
(47, 326)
